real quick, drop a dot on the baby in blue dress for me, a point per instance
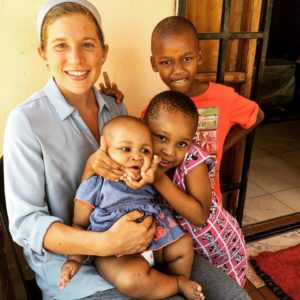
(99, 203)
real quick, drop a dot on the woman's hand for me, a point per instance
(101, 164)
(130, 236)
(111, 89)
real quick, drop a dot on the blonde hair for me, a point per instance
(61, 10)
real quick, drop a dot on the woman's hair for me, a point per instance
(61, 10)
(171, 101)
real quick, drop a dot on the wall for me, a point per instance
(127, 25)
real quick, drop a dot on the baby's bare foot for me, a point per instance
(191, 290)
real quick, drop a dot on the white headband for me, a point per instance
(51, 3)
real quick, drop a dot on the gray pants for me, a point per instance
(215, 283)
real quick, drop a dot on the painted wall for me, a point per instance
(127, 26)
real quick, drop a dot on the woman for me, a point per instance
(48, 139)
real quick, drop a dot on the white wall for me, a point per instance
(127, 26)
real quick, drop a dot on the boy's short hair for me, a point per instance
(171, 101)
(173, 25)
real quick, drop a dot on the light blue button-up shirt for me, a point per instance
(46, 146)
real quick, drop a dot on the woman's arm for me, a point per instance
(32, 224)
(194, 205)
(124, 237)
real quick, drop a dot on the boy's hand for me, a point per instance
(111, 89)
(68, 270)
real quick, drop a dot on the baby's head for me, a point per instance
(129, 143)
(176, 54)
(172, 118)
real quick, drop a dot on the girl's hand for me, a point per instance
(101, 164)
(111, 89)
(148, 176)
(130, 236)
(157, 172)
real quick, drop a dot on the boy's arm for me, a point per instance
(237, 132)
(194, 205)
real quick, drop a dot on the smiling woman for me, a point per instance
(40, 178)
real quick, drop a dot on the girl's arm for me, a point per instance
(195, 203)
(31, 224)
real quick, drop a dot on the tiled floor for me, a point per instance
(273, 190)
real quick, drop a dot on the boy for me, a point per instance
(224, 116)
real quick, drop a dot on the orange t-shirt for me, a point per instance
(220, 108)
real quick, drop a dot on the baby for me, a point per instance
(100, 202)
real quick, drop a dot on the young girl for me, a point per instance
(99, 203)
(183, 181)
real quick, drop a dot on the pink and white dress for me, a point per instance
(220, 240)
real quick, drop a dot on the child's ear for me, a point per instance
(200, 57)
(152, 60)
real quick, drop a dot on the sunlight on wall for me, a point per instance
(127, 26)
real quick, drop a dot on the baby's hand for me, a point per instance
(68, 270)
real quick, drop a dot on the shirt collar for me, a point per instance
(62, 107)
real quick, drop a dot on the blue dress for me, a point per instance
(113, 199)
